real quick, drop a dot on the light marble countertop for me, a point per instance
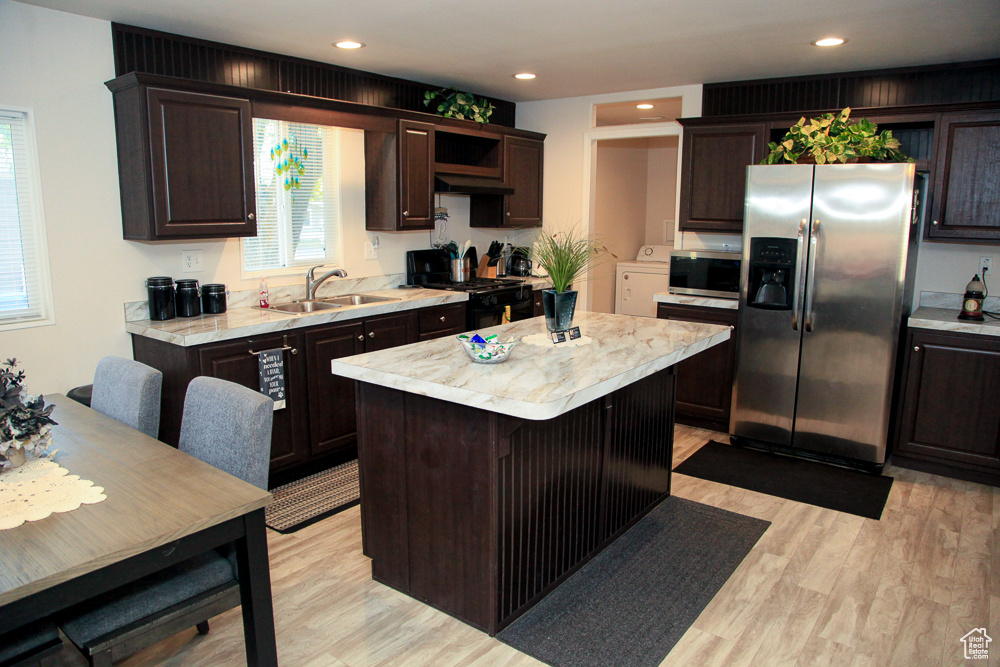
(946, 319)
(241, 322)
(689, 300)
(537, 382)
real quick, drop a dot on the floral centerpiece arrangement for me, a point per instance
(25, 420)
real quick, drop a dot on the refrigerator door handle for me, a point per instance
(811, 274)
(798, 275)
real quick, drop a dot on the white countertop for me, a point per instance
(537, 382)
(241, 322)
(946, 319)
(689, 300)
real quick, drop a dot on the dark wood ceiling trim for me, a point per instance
(146, 51)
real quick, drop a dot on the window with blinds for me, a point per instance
(297, 175)
(25, 294)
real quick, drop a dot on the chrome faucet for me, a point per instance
(312, 284)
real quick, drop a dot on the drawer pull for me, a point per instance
(916, 348)
(284, 346)
(371, 334)
(443, 318)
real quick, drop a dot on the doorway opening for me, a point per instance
(632, 200)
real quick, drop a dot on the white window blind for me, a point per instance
(297, 175)
(25, 295)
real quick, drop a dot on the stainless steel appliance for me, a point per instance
(705, 273)
(825, 288)
(489, 298)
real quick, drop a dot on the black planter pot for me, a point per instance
(559, 309)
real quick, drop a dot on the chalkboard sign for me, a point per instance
(271, 365)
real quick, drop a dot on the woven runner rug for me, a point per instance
(310, 499)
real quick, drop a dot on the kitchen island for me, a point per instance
(485, 486)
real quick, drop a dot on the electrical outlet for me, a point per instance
(191, 261)
(371, 252)
(985, 265)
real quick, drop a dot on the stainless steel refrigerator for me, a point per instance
(825, 287)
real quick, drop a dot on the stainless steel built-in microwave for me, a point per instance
(705, 273)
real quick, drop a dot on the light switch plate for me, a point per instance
(371, 252)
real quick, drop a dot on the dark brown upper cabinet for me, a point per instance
(713, 174)
(966, 198)
(522, 170)
(185, 163)
(399, 187)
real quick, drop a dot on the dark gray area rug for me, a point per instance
(631, 603)
(313, 498)
(819, 484)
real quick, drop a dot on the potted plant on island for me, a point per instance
(25, 421)
(564, 256)
(831, 138)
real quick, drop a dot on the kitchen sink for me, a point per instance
(303, 307)
(356, 299)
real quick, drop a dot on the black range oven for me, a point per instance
(490, 299)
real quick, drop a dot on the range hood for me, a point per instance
(470, 185)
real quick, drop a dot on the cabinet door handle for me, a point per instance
(406, 214)
(443, 318)
(371, 334)
(361, 337)
(935, 222)
(508, 214)
(916, 348)
(251, 216)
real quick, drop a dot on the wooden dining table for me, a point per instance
(163, 506)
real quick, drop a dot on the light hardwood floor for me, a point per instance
(819, 588)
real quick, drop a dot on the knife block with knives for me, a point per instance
(488, 264)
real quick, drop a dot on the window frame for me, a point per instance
(32, 171)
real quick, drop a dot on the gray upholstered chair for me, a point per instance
(36, 645)
(228, 426)
(129, 392)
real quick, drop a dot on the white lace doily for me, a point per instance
(40, 487)
(542, 339)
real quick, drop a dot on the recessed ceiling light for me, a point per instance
(829, 41)
(524, 76)
(347, 44)
(643, 106)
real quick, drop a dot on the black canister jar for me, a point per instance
(188, 298)
(161, 297)
(213, 298)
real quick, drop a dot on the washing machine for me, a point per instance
(637, 281)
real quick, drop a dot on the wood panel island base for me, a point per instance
(485, 486)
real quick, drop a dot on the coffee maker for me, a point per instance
(771, 272)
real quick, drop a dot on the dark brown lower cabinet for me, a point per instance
(949, 418)
(441, 321)
(237, 362)
(318, 419)
(332, 421)
(705, 381)
(481, 515)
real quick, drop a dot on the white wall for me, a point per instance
(56, 64)
(566, 121)
(619, 211)
(661, 196)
